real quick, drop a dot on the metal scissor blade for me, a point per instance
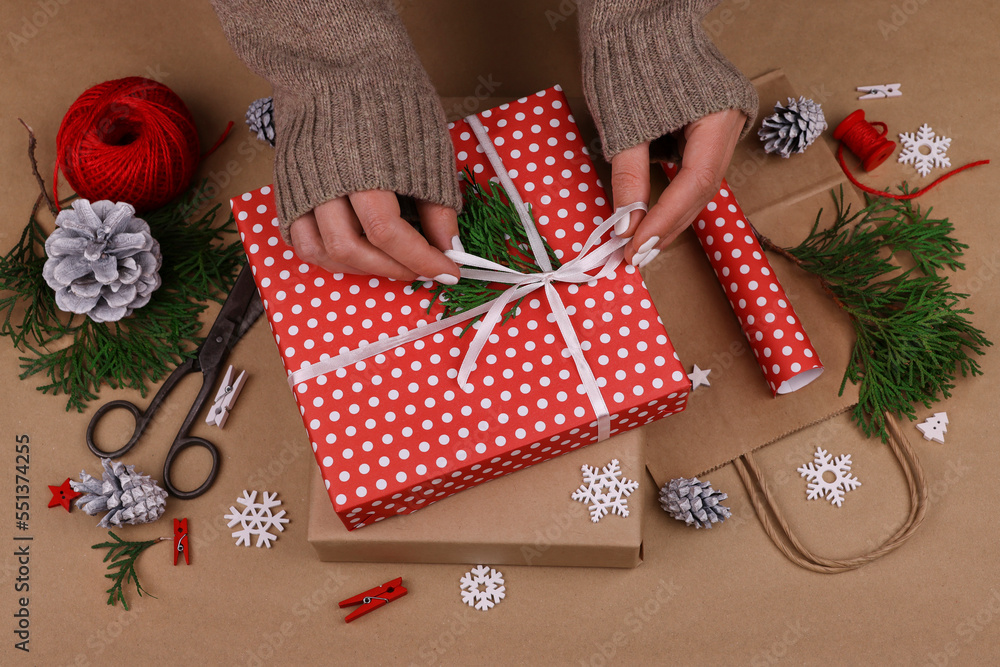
(241, 309)
(254, 310)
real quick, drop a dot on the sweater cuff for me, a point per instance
(654, 73)
(319, 154)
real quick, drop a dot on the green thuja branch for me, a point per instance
(913, 337)
(491, 228)
(123, 555)
(200, 258)
(76, 355)
(27, 305)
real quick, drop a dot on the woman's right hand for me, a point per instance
(363, 233)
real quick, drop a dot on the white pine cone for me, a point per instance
(128, 497)
(693, 502)
(103, 261)
(792, 128)
(260, 119)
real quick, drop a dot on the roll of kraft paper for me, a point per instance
(780, 344)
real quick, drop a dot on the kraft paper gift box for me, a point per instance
(397, 431)
(523, 519)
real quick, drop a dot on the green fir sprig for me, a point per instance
(913, 337)
(123, 555)
(77, 355)
(489, 227)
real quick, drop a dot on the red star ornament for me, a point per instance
(63, 495)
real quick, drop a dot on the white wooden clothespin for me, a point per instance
(879, 91)
(225, 398)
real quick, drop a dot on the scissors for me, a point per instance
(241, 309)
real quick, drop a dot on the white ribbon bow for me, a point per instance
(603, 258)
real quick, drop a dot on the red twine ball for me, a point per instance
(128, 140)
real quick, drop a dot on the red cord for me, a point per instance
(215, 146)
(872, 148)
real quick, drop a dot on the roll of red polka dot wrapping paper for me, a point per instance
(780, 344)
(396, 432)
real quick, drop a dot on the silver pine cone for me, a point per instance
(128, 497)
(103, 261)
(693, 502)
(260, 119)
(792, 128)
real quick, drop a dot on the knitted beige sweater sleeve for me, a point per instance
(649, 69)
(355, 110)
(353, 107)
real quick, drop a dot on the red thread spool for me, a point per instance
(861, 137)
(131, 140)
(872, 148)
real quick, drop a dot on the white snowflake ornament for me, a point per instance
(256, 519)
(914, 154)
(605, 490)
(819, 486)
(482, 587)
(935, 427)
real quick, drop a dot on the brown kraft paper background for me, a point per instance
(724, 596)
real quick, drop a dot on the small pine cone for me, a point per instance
(792, 128)
(128, 497)
(260, 119)
(103, 261)
(693, 502)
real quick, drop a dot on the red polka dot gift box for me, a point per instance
(403, 408)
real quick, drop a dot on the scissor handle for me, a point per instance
(138, 415)
(180, 444)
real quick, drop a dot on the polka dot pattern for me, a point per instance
(780, 344)
(396, 432)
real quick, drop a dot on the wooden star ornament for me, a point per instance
(63, 495)
(699, 377)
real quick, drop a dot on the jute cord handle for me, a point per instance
(784, 537)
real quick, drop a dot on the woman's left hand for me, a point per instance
(707, 149)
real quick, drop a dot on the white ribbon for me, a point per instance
(603, 258)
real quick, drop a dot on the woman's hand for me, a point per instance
(363, 233)
(707, 149)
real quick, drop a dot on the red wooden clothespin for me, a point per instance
(374, 598)
(181, 540)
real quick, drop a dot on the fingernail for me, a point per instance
(456, 244)
(446, 279)
(423, 278)
(623, 225)
(648, 245)
(650, 256)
